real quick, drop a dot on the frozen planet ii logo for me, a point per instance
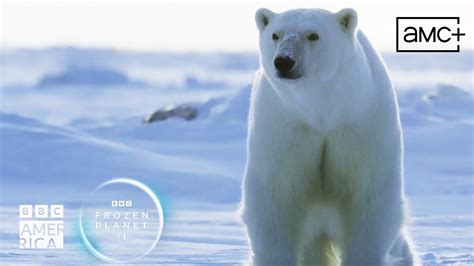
(122, 221)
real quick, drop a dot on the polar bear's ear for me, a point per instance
(263, 17)
(347, 18)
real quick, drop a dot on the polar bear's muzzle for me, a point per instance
(285, 63)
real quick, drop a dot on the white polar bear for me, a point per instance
(324, 177)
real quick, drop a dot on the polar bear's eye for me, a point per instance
(275, 37)
(313, 37)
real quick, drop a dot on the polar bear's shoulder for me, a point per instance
(371, 55)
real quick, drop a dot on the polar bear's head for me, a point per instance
(304, 44)
(316, 63)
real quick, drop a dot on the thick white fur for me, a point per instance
(324, 179)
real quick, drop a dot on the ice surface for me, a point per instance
(65, 128)
(84, 76)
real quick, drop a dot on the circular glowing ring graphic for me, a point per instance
(155, 200)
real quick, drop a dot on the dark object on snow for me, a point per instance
(182, 111)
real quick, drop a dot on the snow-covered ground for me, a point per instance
(73, 118)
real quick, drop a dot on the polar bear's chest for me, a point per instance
(326, 165)
(346, 162)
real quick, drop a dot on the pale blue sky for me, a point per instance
(190, 25)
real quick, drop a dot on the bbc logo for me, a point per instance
(41, 226)
(41, 211)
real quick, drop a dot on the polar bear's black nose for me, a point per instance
(284, 64)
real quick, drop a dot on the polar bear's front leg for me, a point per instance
(372, 225)
(270, 237)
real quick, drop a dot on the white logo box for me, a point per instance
(41, 226)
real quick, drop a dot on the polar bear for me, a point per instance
(323, 181)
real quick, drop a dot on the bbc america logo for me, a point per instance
(41, 226)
